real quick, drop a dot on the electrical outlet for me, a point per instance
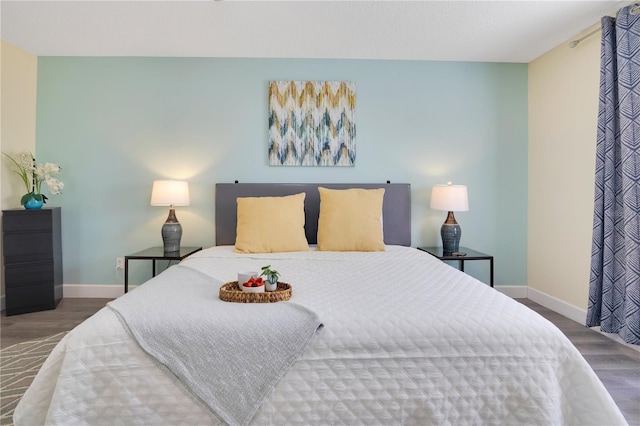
(119, 263)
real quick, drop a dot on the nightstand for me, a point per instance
(470, 255)
(153, 254)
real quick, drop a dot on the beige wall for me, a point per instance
(563, 108)
(18, 73)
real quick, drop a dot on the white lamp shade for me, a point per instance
(451, 198)
(170, 193)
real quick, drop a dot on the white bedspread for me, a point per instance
(406, 340)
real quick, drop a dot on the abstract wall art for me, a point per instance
(312, 123)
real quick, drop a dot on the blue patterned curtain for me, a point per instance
(614, 293)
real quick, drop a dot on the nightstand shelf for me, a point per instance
(470, 255)
(153, 254)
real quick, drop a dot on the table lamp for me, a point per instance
(170, 193)
(450, 198)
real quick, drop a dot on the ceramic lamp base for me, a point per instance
(450, 234)
(171, 233)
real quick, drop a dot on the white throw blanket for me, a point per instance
(230, 355)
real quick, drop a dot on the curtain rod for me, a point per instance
(576, 42)
(634, 11)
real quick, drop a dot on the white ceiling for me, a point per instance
(486, 31)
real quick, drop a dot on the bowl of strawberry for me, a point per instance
(254, 285)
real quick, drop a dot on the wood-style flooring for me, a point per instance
(69, 313)
(617, 365)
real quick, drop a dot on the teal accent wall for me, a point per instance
(117, 124)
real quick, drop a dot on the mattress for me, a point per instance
(407, 339)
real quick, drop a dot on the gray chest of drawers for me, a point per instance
(32, 249)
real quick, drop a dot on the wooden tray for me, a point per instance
(231, 292)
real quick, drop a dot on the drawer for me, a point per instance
(29, 244)
(26, 274)
(29, 299)
(25, 220)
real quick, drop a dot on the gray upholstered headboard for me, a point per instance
(396, 209)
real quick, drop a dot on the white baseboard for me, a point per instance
(89, 291)
(560, 306)
(113, 291)
(105, 291)
(93, 291)
(513, 291)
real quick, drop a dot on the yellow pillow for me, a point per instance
(350, 220)
(271, 224)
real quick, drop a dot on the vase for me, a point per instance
(33, 204)
(271, 287)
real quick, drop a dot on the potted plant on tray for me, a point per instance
(271, 277)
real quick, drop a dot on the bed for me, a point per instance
(389, 336)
